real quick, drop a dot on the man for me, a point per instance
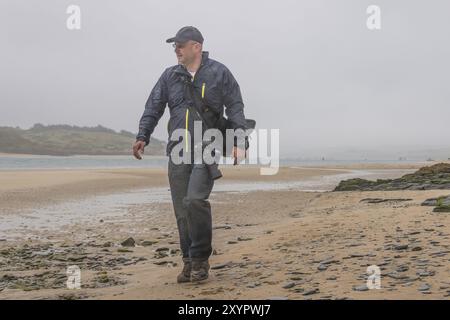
(191, 183)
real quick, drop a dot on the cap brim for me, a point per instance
(176, 39)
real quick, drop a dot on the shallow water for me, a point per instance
(115, 206)
(34, 162)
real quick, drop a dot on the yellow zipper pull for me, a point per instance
(203, 90)
(186, 131)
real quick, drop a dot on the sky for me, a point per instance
(311, 68)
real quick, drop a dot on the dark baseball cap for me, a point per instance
(185, 34)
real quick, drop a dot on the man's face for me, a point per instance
(187, 51)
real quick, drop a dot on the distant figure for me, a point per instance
(191, 184)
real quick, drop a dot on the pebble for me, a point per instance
(129, 242)
(221, 265)
(310, 292)
(288, 285)
(147, 243)
(322, 267)
(401, 247)
(361, 288)
(424, 287)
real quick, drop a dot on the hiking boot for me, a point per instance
(199, 270)
(185, 274)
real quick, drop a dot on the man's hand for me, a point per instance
(238, 154)
(138, 149)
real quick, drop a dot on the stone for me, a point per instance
(311, 291)
(402, 268)
(221, 265)
(147, 243)
(288, 285)
(322, 267)
(129, 242)
(361, 288)
(424, 287)
(222, 227)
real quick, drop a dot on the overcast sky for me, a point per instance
(310, 68)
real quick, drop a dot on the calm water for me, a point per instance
(91, 162)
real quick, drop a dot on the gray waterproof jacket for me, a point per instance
(213, 81)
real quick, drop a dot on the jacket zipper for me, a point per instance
(187, 111)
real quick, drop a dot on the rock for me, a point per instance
(76, 257)
(430, 202)
(402, 268)
(361, 288)
(401, 247)
(425, 273)
(160, 263)
(357, 255)
(378, 200)
(222, 227)
(424, 287)
(310, 292)
(107, 244)
(221, 265)
(322, 267)
(244, 238)
(231, 242)
(147, 243)
(417, 248)
(395, 275)
(277, 298)
(129, 243)
(433, 177)
(294, 214)
(328, 261)
(288, 285)
(442, 209)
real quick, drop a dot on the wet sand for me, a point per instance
(282, 242)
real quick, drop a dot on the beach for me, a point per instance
(286, 236)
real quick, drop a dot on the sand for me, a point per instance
(274, 243)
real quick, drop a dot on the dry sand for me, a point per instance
(266, 243)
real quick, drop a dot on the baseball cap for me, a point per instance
(185, 34)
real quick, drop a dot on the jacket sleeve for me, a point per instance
(234, 106)
(154, 109)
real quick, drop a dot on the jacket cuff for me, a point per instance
(141, 138)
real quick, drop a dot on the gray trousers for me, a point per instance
(190, 187)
